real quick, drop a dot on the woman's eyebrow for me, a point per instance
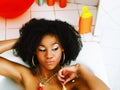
(41, 45)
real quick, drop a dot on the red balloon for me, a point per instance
(14, 8)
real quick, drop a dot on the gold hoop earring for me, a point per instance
(63, 57)
(33, 63)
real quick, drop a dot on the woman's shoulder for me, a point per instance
(29, 78)
(27, 72)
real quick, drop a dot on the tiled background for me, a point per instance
(9, 28)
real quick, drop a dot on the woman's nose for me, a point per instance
(49, 54)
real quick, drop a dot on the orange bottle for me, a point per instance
(50, 2)
(85, 21)
(62, 3)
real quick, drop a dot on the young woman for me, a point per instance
(48, 47)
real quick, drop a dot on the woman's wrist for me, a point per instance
(7, 45)
(77, 69)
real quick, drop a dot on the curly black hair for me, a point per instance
(33, 31)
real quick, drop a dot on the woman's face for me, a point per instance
(49, 52)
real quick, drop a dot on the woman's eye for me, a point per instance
(42, 49)
(54, 49)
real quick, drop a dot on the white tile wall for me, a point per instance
(87, 2)
(36, 8)
(9, 28)
(45, 14)
(68, 16)
(2, 23)
(19, 21)
(2, 34)
(2, 28)
(12, 33)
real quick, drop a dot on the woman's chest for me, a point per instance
(34, 84)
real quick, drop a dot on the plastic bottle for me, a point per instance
(85, 21)
(50, 2)
(62, 3)
(40, 2)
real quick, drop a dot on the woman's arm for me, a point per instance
(93, 82)
(7, 45)
(10, 69)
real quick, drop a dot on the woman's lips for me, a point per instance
(50, 62)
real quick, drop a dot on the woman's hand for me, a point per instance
(67, 73)
(70, 72)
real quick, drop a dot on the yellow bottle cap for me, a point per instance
(85, 12)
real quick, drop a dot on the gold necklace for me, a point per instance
(44, 81)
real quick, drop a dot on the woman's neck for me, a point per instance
(48, 73)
